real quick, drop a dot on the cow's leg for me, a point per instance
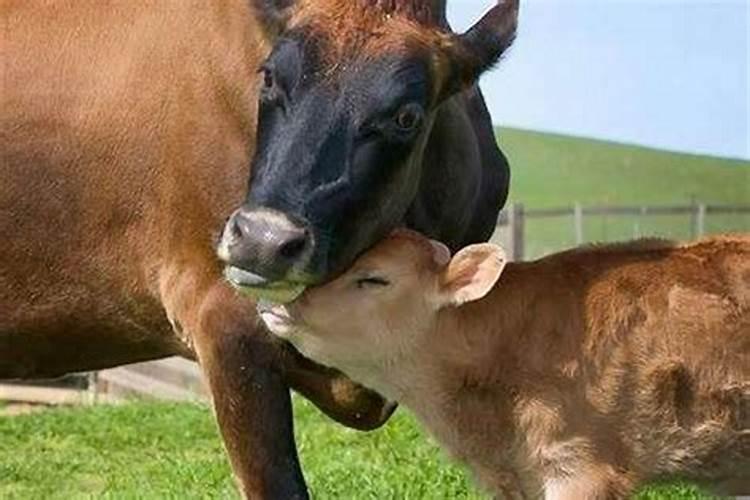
(247, 371)
(251, 400)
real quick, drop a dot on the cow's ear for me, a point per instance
(273, 14)
(471, 274)
(472, 53)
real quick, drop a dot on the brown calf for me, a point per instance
(577, 376)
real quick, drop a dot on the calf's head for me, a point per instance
(384, 307)
(347, 101)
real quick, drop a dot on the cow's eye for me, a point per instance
(372, 282)
(268, 79)
(409, 117)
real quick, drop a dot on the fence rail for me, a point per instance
(605, 210)
(513, 220)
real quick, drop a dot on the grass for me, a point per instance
(161, 450)
(555, 170)
(550, 171)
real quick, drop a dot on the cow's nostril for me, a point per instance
(293, 248)
(235, 229)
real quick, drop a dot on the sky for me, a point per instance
(672, 74)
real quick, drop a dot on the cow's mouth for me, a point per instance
(258, 287)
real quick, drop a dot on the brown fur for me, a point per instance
(125, 134)
(581, 375)
(353, 31)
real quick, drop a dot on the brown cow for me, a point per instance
(578, 376)
(128, 131)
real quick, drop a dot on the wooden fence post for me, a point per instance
(693, 217)
(92, 391)
(517, 230)
(578, 221)
(700, 221)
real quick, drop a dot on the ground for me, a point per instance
(158, 450)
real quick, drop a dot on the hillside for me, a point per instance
(557, 171)
(554, 170)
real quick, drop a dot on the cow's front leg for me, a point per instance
(251, 400)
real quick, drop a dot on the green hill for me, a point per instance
(554, 170)
(551, 170)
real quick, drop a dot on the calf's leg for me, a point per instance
(600, 482)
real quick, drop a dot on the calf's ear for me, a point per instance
(441, 255)
(471, 274)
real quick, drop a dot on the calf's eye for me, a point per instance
(372, 282)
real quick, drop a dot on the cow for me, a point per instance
(128, 134)
(578, 376)
(378, 111)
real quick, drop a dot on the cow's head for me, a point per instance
(348, 97)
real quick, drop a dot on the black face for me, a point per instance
(337, 165)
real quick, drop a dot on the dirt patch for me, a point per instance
(15, 409)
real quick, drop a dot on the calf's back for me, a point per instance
(634, 356)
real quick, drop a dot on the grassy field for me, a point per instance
(550, 171)
(555, 170)
(157, 450)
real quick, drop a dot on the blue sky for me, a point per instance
(666, 73)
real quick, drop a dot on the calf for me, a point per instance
(580, 375)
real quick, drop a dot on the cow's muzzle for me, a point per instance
(266, 253)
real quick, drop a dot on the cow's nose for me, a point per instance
(277, 235)
(265, 242)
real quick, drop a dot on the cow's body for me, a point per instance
(126, 134)
(578, 376)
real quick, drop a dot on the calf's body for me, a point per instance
(577, 376)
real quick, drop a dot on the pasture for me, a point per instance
(554, 171)
(551, 170)
(158, 450)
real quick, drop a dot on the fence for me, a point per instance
(533, 233)
(524, 233)
(174, 379)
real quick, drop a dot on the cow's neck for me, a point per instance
(462, 187)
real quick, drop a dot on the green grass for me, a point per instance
(554, 170)
(550, 171)
(159, 450)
